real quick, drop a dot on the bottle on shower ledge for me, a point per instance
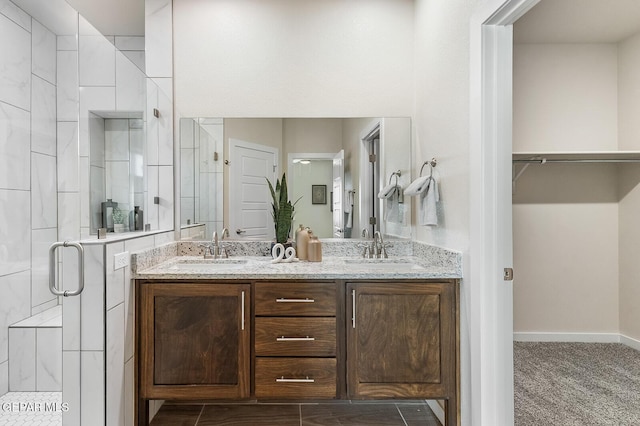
(136, 220)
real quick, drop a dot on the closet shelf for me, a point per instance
(528, 158)
(577, 157)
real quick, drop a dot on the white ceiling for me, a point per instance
(113, 17)
(579, 21)
(57, 15)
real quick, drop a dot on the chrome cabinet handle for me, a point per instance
(353, 308)
(295, 339)
(240, 231)
(242, 302)
(283, 300)
(285, 380)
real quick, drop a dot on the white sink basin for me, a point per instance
(208, 264)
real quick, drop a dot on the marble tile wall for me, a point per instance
(28, 200)
(35, 359)
(133, 48)
(48, 86)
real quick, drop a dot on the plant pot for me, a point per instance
(118, 227)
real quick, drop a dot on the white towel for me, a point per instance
(392, 208)
(348, 209)
(417, 186)
(428, 198)
(387, 191)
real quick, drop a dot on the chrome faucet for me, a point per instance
(214, 250)
(223, 247)
(379, 247)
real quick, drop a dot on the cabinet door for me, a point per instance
(195, 340)
(400, 340)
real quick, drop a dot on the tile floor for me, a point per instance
(31, 409)
(409, 413)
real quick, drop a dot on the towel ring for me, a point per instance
(432, 163)
(396, 174)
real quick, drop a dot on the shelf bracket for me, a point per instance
(516, 175)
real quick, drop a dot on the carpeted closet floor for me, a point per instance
(581, 384)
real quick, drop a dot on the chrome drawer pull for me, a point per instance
(282, 379)
(295, 339)
(283, 300)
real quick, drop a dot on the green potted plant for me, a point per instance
(119, 217)
(282, 209)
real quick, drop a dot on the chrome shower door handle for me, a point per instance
(52, 269)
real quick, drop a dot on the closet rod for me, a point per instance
(543, 160)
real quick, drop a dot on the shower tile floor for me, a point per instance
(31, 409)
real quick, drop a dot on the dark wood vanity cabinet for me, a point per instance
(298, 339)
(194, 340)
(402, 341)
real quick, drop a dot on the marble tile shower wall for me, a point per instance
(47, 87)
(28, 168)
(109, 81)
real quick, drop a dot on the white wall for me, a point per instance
(565, 97)
(565, 234)
(277, 58)
(629, 176)
(565, 217)
(441, 116)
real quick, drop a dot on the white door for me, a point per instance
(338, 195)
(249, 196)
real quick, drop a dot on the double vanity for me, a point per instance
(347, 328)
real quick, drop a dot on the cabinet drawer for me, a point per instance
(295, 299)
(295, 378)
(295, 336)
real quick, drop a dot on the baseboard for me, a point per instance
(578, 337)
(567, 337)
(631, 342)
(437, 409)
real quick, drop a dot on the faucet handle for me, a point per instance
(365, 248)
(208, 250)
(384, 249)
(224, 252)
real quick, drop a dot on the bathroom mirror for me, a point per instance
(215, 151)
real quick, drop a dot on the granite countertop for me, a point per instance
(331, 267)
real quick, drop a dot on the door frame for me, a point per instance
(365, 187)
(491, 244)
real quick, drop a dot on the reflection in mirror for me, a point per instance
(116, 171)
(201, 173)
(219, 154)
